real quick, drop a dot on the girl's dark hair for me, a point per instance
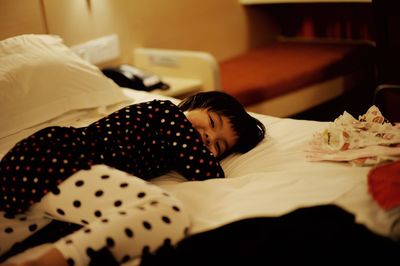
(250, 131)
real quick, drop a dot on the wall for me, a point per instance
(21, 16)
(222, 27)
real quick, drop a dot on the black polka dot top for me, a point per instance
(147, 140)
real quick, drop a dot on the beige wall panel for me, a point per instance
(222, 27)
(19, 17)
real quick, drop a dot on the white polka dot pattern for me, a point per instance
(117, 211)
(146, 140)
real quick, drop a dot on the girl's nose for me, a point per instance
(207, 137)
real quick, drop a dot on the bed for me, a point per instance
(278, 74)
(44, 83)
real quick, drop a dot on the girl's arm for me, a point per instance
(52, 257)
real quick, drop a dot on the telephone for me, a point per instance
(135, 78)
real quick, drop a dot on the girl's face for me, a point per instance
(215, 130)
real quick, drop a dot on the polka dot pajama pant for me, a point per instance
(118, 211)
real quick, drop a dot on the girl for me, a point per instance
(91, 176)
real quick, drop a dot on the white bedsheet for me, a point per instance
(275, 178)
(270, 180)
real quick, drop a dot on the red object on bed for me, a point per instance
(284, 66)
(384, 185)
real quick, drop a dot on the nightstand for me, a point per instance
(186, 72)
(180, 87)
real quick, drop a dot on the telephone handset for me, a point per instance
(135, 78)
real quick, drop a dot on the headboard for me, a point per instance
(19, 17)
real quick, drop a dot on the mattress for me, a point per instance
(272, 179)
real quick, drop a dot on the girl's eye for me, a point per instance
(211, 121)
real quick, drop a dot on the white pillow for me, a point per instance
(41, 78)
